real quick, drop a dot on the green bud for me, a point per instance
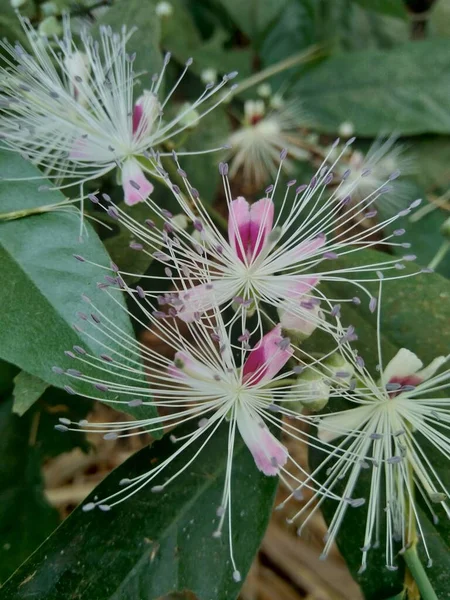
(445, 228)
(50, 9)
(191, 118)
(49, 27)
(337, 368)
(312, 390)
(18, 3)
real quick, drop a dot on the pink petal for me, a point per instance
(308, 247)
(136, 186)
(301, 285)
(238, 226)
(145, 112)
(266, 358)
(197, 299)
(269, 454)
(249, 226)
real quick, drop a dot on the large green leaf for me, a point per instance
(402, 90)
(154, 544)
(43, 283)
(25, 517)
(254, 16)
(144, 41)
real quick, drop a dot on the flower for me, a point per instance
(271, 257)
(256, 144)
(207, 381)
(370, 170)
(78, 120)
(386, 439)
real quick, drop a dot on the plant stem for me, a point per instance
(19, 214)
(440, 254)
(292, 61)
(419, 574)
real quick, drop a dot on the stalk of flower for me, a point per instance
(210, 381)
(71, 109)
(255, 146)
(384, 431)
(267, 259)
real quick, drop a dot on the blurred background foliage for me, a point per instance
(367, 68)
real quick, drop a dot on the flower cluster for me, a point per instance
(233, 303)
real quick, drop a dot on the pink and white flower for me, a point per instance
(208, 382)
(78, 120)
(380, 437)
(276, 253)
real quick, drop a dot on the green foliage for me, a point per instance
(43, 283)
(401, 90)
(25, 518)
(145, 39)
(155, 544)
(27, 389)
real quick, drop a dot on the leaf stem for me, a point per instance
(419, 574)
(296, 59)
(25, 212)
(440, 255)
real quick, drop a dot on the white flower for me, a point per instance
(78, 120)
(381, 439)
(382, 160)
(256, 144)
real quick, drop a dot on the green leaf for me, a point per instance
(293, 31)
(145, 39)
(43, 283)
(401, 90)
(152, 545)
(25, 518)
(393, 8)
(27, 389)
(254, 16)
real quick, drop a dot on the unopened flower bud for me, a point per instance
(264, 90)
(18, 3)
(208, 75)
(50, 9)
(445, 228)
(312, 391)
(164, 9)
(191, 118)
(50, 27)
(338, 369)
(295, 325)
(276, 101)
(181, 221)
(346, 129)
